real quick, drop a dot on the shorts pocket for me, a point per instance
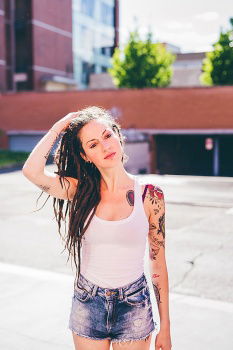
(81, 294)
(138, 297)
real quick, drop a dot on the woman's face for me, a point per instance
(99, 140)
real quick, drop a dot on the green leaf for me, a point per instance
(217, 66)
(141, 63)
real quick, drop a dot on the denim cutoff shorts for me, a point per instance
(119, 314)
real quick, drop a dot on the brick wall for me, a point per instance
(53, 12)
(2, 49)
(52, 39)
(162, 108)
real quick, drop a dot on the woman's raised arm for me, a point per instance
(34, 167)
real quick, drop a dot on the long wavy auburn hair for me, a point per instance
(70, 163)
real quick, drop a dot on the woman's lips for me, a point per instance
(111, 156)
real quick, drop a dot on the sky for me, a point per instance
(192, 25)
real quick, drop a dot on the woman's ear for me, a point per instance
(83, 157)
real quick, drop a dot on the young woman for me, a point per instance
(111, 215)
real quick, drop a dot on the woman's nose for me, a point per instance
(105, 144)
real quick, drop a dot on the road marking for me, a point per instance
(211, 204)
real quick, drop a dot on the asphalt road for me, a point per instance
(199, 242)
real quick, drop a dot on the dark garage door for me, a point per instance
(183, 155)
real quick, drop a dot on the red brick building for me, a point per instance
(180, 130)
(3, 58)
(36, 44)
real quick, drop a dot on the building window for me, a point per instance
(87, 69)
(106, 51)
(107, 14)
(106, 46)
(84, 78)
(92, 69)
(88, 7)
(104, 69)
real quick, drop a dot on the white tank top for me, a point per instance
(113, 252)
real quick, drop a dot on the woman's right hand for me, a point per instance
(64, 122)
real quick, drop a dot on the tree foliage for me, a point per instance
(217, 66)
(141, 64)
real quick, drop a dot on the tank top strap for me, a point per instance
(137, 194)
(139, 197)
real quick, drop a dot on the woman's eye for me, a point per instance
(92, 146)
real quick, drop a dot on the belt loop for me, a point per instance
(121, 296)
(94, 290)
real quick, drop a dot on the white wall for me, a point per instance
(139, 157)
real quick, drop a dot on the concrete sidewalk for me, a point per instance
(35, 306)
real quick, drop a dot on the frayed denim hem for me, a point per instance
(87, 336)
(132, 340)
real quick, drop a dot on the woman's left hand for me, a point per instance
(163, 340)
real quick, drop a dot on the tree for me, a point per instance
(141, 64)
(217, 66)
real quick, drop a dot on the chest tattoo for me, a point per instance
(130, 197)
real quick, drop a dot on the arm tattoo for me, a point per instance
(47, 155)
(156, 232)
(156, 228)
(155, 243)
(162, 225)
(155, 247)
(155, 193)
(44, 188)
(156, 289)
(157, 292)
